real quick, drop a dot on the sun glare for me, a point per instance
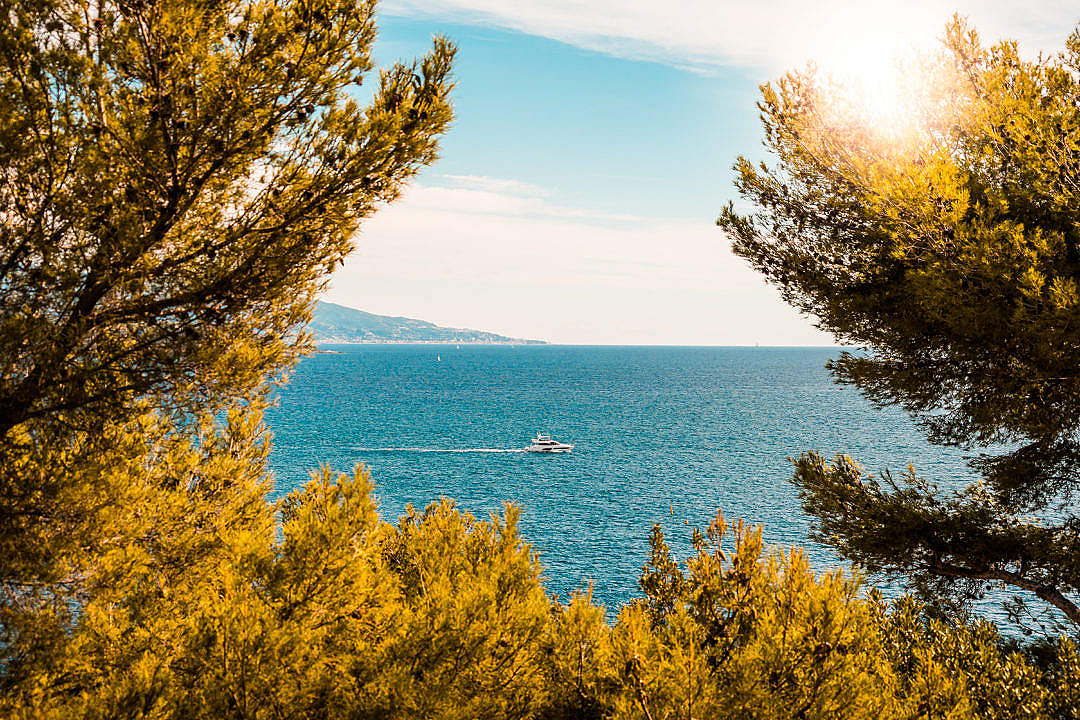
(861, 46)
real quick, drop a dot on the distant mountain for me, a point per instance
(333, 323)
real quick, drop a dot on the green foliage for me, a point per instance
(219, 611)
(179, 179)
(466, 641)
(944, 240)
(746, 634)
(214, 613)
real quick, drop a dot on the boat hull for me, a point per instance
(563, 449)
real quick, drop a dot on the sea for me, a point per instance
(662, 435)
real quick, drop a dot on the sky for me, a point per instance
(575, 197)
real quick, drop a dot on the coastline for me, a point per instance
(429, 342)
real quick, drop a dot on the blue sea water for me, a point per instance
(662, 435)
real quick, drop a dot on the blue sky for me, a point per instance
(591, 151)
(611, 134)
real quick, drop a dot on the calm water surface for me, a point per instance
(666, 435)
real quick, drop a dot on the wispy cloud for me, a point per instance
(498, 185)
(770, 34)
(526, 267)
(479, 195)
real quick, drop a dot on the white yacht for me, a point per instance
(544, 444)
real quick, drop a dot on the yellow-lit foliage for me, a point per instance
(946, 245)
(181, 177)
(215, 603)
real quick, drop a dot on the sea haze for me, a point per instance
(663, 435)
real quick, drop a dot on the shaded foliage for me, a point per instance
(177, 180)
(943, 240)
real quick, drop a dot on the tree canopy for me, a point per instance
(944, 240)
(220, 612)
(179, 178)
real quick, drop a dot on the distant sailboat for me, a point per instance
(438, 358)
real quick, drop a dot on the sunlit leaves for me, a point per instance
(950, 252)
(214, 611)
(177, 180)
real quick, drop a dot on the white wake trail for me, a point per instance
(438, 450)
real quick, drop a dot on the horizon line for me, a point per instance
(542, 343)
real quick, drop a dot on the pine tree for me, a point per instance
(179, 178)
(945, 243)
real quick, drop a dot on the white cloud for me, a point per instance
(498, 185)
(770, 34)
(485, 198)
(522, 267)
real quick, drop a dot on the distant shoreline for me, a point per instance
(333, 324)
(543, 343)
(428, 342)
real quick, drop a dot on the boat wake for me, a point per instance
(438, 450)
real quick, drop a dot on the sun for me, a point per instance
(864, 46)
